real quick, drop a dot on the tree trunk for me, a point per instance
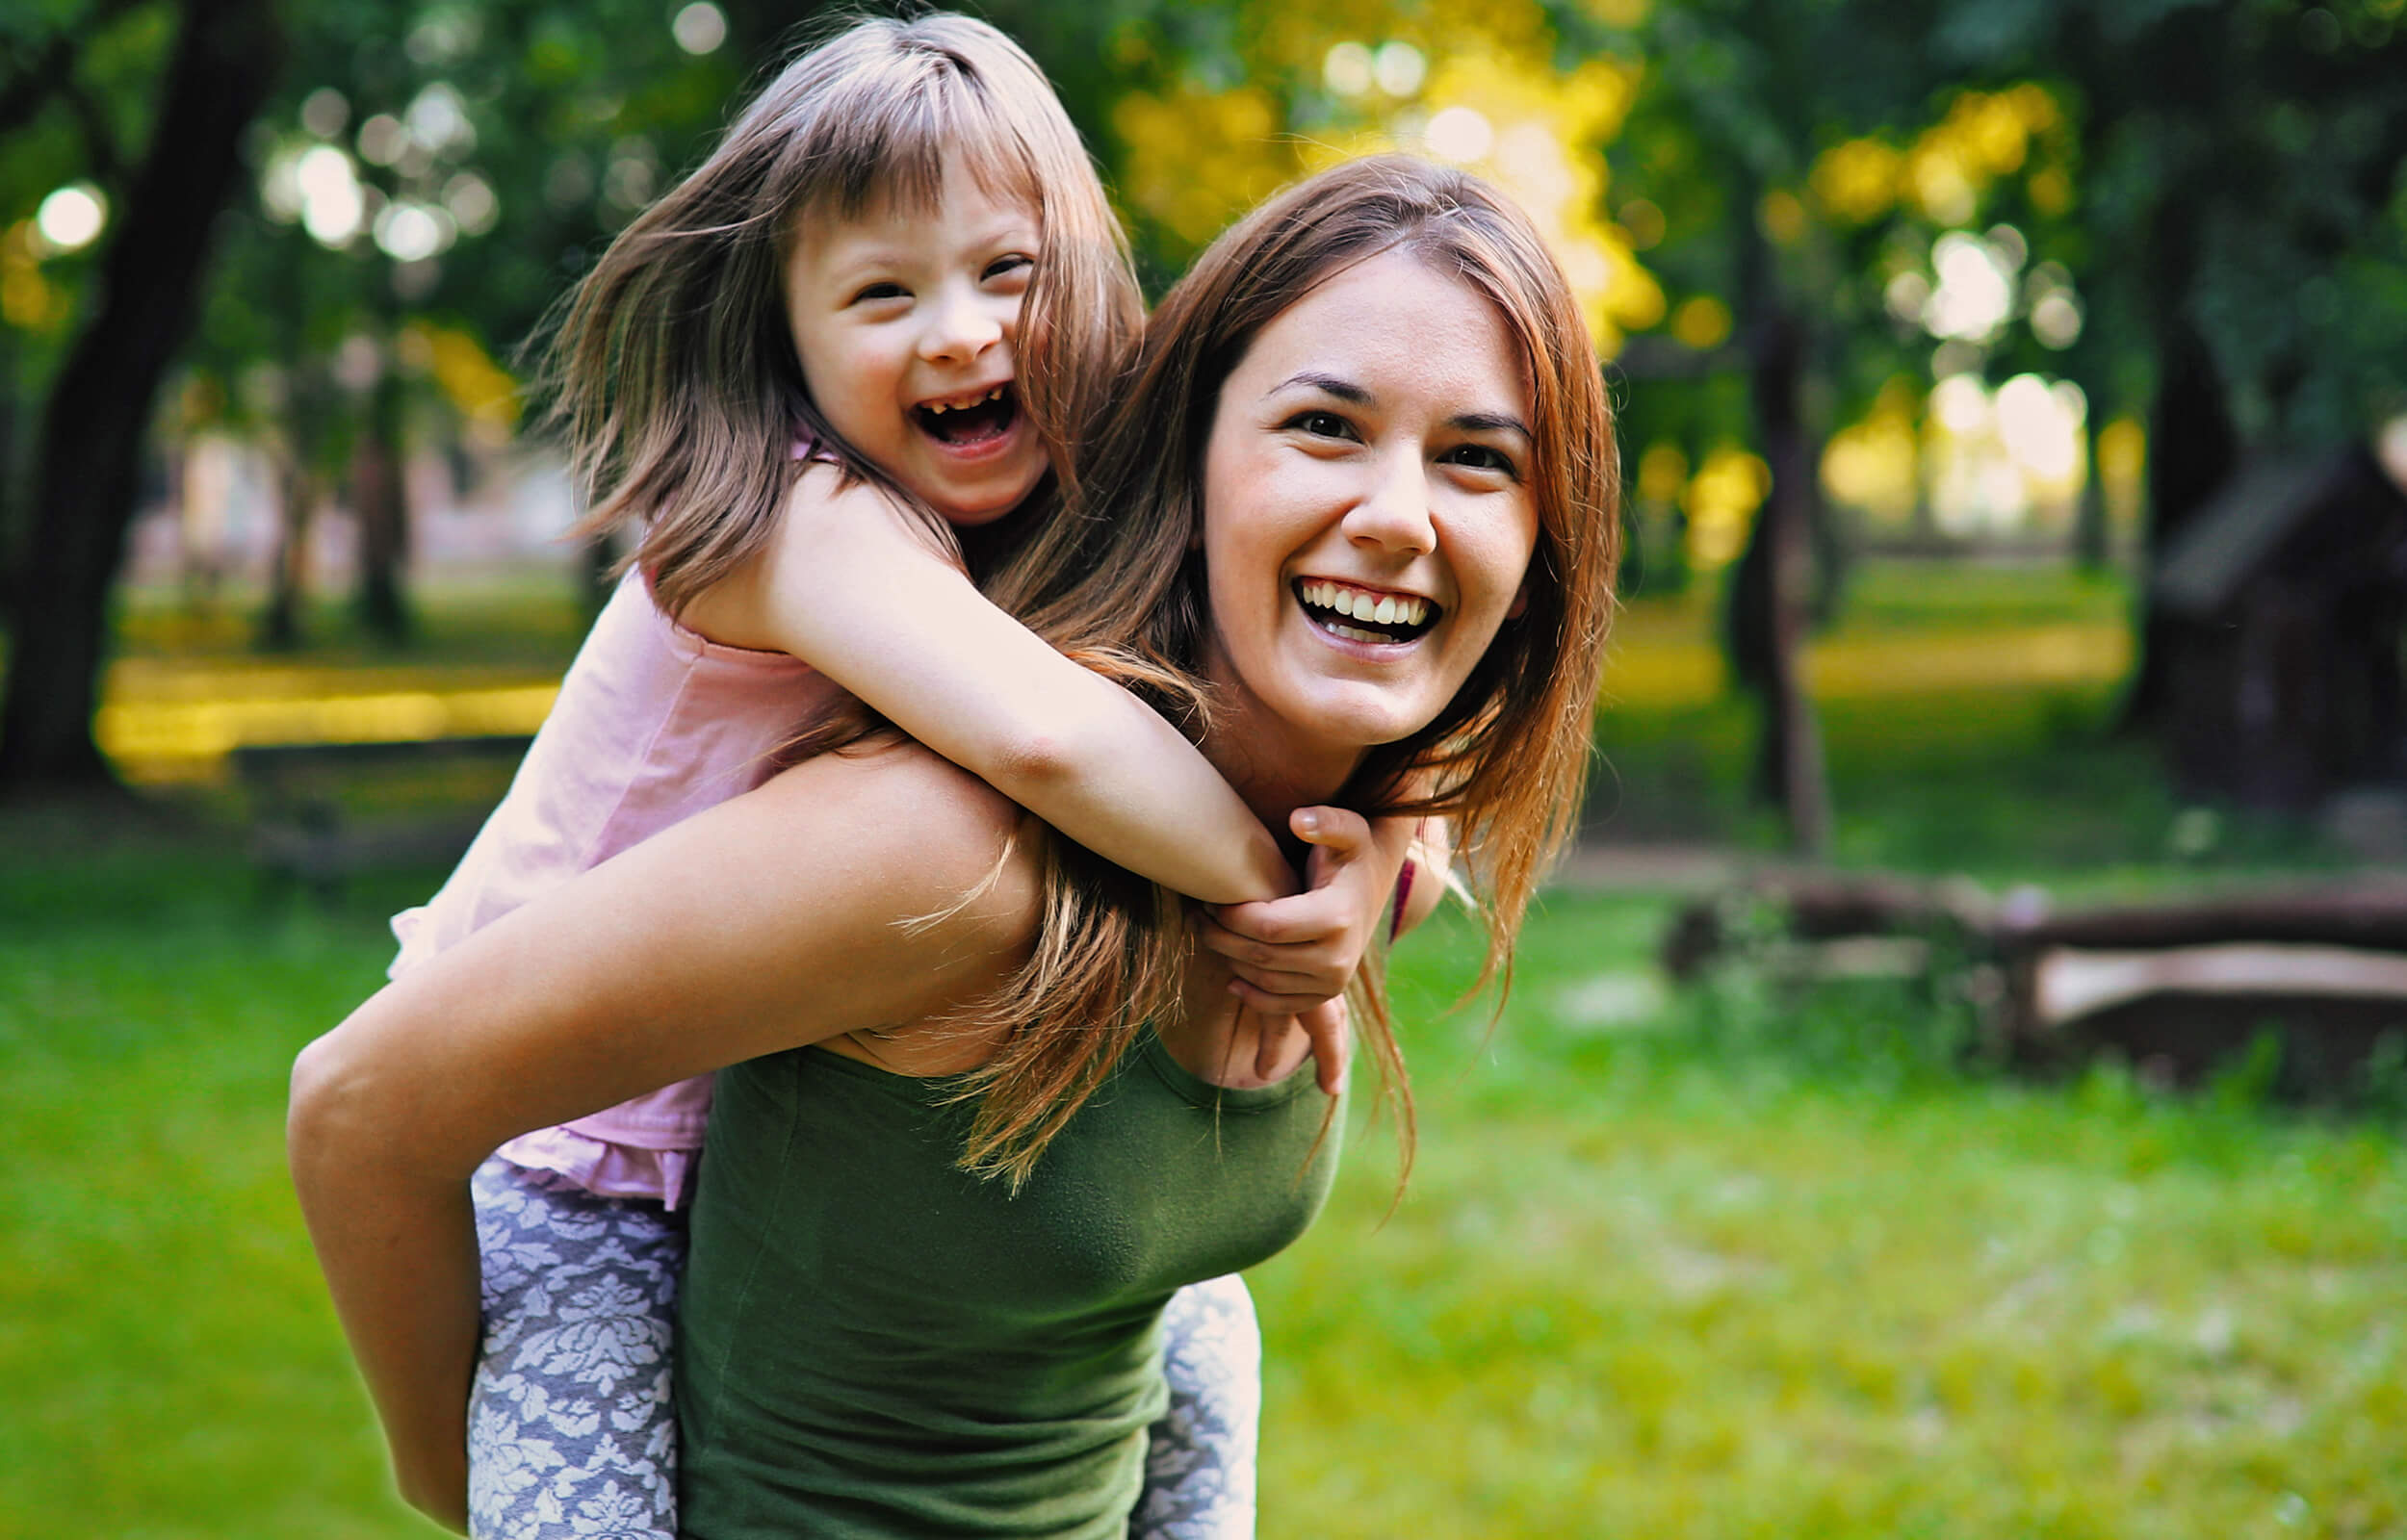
(287, 571)
(2093, 540)
(2192, 448)
(225, 61)
(1771, 590)
(381, 501)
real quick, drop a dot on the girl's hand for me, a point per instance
(1292, 954)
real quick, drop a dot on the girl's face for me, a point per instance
(1367, 515)
(905, 325)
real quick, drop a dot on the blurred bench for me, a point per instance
(2179, 988)
(321, 812)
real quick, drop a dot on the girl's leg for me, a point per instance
(571, 1427)
(1199, 1471)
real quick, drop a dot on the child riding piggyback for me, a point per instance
(831, 375)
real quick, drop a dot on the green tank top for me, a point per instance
(874, 1343)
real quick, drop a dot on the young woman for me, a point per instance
(989, 1109)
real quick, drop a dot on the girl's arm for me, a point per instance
(850, 588)
(773, 920)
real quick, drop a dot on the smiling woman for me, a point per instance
(982, 1109)
(1382, 469)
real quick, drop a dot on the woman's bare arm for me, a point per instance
(775, 920)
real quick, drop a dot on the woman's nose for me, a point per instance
(960, 327)
(1393, 513)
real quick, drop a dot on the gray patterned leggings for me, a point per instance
(572, 1430)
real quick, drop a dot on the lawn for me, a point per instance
(1717, 1265)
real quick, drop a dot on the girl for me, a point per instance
(894, 290)
(986, 1113)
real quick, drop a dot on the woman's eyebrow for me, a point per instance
(1345, 390)
(1491, 422)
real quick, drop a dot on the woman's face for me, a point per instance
(1367, 514)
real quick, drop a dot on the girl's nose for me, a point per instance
(1394, 514)
(960, 327)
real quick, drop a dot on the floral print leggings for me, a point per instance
(572, 1429)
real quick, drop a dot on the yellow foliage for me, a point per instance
(1985, 135)
(1721, 504)
(482, 390)
(1199, 158)
(1623, 13)
(1875, 464)
(1858, 181)
(2037, 109)
(1545, 127)
(1662, 474)
(2051, 190)
(1782, 216)
(1195, 158)
(2122, 451)
(1701, 323)
(28, 300)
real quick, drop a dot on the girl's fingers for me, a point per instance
(1330, 1028)
(1272, 1002)
(1305, 953)
(1338, 835)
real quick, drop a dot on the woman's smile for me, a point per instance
(1366, 519)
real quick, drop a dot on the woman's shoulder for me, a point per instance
(923, 826)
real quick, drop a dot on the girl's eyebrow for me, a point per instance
(1345, 390)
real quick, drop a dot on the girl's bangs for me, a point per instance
(891, 147)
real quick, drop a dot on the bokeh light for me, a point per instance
(71, 218)
(332, 203)
(699, 28)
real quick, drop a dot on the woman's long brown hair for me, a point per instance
(671, 369)
(1114, 583)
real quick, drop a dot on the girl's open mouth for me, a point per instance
(1364, 614)
(964, 421)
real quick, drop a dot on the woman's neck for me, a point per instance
(1263, 759)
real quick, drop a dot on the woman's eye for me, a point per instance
(1322, 425)
(1480, 456)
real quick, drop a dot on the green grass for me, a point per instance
(1660, 1272)
(1653, 1278)
(1716, 1265)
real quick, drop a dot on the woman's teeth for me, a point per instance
(1397, 617)
(1399, 609)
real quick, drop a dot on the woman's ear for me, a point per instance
(1520, 601)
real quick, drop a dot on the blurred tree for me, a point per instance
(392, 217)
(218, 70)
(2247, 211)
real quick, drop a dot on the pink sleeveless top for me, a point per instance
(653, 725)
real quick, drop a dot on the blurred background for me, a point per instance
(1951, 1089)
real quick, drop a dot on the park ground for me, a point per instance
(1721, 1262)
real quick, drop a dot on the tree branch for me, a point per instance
(100, 140)
(46, 68)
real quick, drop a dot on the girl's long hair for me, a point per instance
(1114, 582)
(671, 367)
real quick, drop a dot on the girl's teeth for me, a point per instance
(995, 395)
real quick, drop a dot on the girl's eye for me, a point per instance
(1482, 458)
(1321, 425)
(879, 290)
(1017, 265)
